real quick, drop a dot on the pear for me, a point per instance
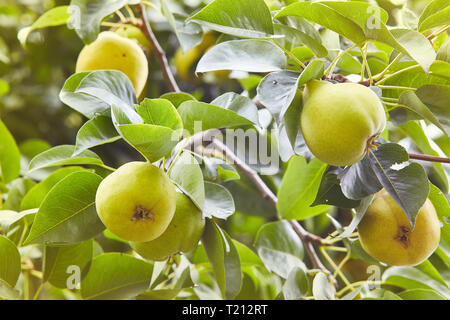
(110, 51)
(386, 233)
(136, 202)
(182, 234)
(339, 122)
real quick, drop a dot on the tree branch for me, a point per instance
(425, 157)
(307, 238)
(157, 49)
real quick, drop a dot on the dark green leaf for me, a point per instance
(224, 259)
(67, 214)
(116, 276)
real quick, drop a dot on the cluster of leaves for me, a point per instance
(52, 225)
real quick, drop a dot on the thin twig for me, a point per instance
(425, 157)
(157, 49)
(249, 172)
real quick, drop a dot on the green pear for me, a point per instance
(136, 202)
(339, 122)
(182, 234)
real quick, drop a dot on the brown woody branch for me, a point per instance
(157, 49)
(425, 157)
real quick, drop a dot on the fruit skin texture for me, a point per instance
(182, 234)
(339, 121)
(385, 232)
(111, 51)
(134, 33)
(136, 202)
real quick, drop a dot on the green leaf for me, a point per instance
(410, 42)
(189, 34)
(160, 112)
(408, 186)
(322, 14)
(7, 292)
(416, 133)
(291, 120)
(116, 276)
(86, 16)
(280, 248)
(16, 225)
(421, 294)
(188, 176)
(330, 193)
(440, 69)
(152, 141)
(444, 52)
(61, 156)
(36, 195)
(247, 256)
(9, 155)
(242, 105)
(359, 214)
(96, 131)
(410, 100)
(218, 201)
(359, 180)
(314, 70)
(67, 214)
(321, 287)
(436, 14)
(224, 259)
(429, 269)
(296, 285)
(440, 202)
(241, 18)
(18, 189)
(412, 278)
(252, 55)
(277, 90)
(93, 93)
(299, 31)
(57, 260)
(177, 98)
(436, 98)
(358, 12)
(299, 189)
(380, 294)
(56, 16)
(208, 117)
(10, 264)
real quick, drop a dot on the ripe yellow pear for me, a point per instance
(386, 234)
(110, 51)
(182, 234)
(136, 202)
(340, 121)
